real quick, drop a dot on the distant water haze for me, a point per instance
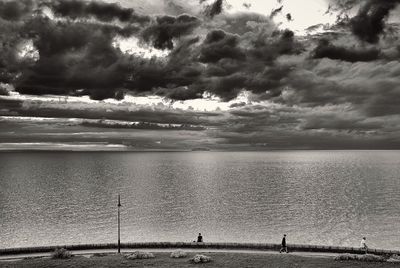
(315, 197)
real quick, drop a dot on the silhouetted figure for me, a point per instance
(199, 238)
(363, 245)
(283, 247)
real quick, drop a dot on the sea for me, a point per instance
(314, 197)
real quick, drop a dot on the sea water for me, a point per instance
(315, 197)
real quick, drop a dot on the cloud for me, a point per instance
(214, 9)
(369, 87)
(242, 23)
(338, 123)
(369, 23)
(237, 104)
(138, 125)
(337, 86)
(247, 5)
(327, 50)
(245, 126)
(275, 12)
(56, 108)
(16, 9)
(5, 89)
(74, 56)
(10, 63)
(78, 57)
(220, 45)
(107, 12)
(166, 28)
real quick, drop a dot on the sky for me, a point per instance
(189, 74)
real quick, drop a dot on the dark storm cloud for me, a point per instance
(246, 126)
(73, 56)
(370, 23)
(101, 11)
(251, 66)
(10, 106)
(138, 125)
(323, 127)
(15, 10)
(327, 50)
(78, 57)
(166, 28)
(275, 12)
(237, 104)
(4, 91)
(170, 78)
(371, 88)
(218, 45)
(11, 37)
(233, 63)
(334, 122)
(160, 114)
(327, 90)
(214, 9)
(375, 23)
(268, 48)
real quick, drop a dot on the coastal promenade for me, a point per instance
(10, 252)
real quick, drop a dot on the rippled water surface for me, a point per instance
(318, 197)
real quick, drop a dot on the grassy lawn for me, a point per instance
(218, 260)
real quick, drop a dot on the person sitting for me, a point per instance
(200, 238)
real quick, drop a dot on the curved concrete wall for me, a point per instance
(185, 245)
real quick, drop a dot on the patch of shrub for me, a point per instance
(394, 258)
(61, 253)
(139, 255)
(200, 259)
(364, 258)
(178, 254)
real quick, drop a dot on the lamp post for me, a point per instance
(119, 225)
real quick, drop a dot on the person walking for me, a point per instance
(283, 245)
(363, 245)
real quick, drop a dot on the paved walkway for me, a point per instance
(13, 257)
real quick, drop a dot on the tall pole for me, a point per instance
(119, 225)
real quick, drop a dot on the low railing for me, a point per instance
(193, 245)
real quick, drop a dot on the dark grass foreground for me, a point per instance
(218, 260)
